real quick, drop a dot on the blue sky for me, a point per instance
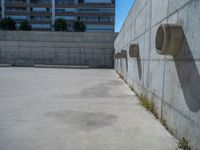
(122, 9)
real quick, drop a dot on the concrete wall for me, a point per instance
(67, 48)
(172, 83)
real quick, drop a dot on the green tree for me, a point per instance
(79, 26)
(8, 24)
(25, 25)
(61, 25)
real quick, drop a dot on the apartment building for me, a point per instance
(98, 15)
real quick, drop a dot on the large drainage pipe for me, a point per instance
(123, 54)
(169, 39)
(115, 56)
(134, 50)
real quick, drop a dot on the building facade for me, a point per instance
(98, 15)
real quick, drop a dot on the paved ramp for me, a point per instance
(63, 109)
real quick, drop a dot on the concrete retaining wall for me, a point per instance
(55, 48)
(172, 83)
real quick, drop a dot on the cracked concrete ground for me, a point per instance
(63, 109)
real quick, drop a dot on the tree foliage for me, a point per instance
(79, 26)
(61, 25)
(25, 25)
(8, 24)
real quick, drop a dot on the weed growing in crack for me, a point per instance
(184, 144)
(149, 105)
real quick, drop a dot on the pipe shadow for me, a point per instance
(126, 64)
(139, 66)
(189, 77)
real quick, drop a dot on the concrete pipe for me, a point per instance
(123, 54)
(134, 50)
(115, 56)
(169, 39)
(119, 55)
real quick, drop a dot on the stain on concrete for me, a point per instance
(115, 82)
(95, 91)
(81, 120)
(103, 91)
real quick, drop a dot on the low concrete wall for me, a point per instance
(57, 48)
(172, 83)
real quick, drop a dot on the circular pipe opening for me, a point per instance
(123, 54)
(114, 56)
(169, 39)
(134, 50)
(160, 38)
(118, 55)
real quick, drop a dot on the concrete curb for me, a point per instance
(61, 66)
(5, 65)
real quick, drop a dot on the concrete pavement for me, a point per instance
(63, 109)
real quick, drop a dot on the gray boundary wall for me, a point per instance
(172, 83)
(26, 48)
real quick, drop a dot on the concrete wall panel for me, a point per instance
(159, 11)
(28, 48)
